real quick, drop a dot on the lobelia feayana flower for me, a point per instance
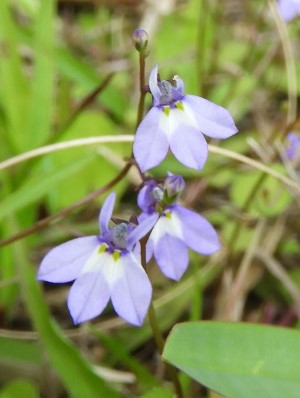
(176, 229)
(288, 9)
(177, 121)
(103, 267)
(293, 147)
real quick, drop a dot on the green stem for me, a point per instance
(157, 335)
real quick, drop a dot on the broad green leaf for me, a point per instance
(238, 360)
(19, 389)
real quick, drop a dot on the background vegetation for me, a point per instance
(68, 70)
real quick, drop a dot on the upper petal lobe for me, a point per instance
(155, 91)
(151, 143)
(106, 212)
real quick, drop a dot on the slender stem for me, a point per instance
(59, 146)
(289, 61)
(159, 340)
(141, 106)
(157, 335)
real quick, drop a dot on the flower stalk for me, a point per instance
(157, 335)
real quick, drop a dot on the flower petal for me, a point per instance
(178, 91)
(151, 143)
(88, 296)
(149, 250)
(141, 230)
(288, 9)
(106, 212)
(145, 199)
(171, 255)
(65, 262)
(189, 147)
(131, 292)
(198, 233)
(90, 293)
(212, 120)
(168, 224)
(155, 91)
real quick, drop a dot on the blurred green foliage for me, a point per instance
(51, 60)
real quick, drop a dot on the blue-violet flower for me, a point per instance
(176, 229)
(178, 121)
(103, 267)
(293, 147)
(288, 9)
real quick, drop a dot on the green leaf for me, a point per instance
(19, 388)
(43, 78)
(13, 86)
(238, 360)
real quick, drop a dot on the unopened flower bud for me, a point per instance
(174, 185)
(140, 39)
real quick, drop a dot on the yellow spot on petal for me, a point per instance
(168, 214)
(166, 110)
(179, 105)
(102, 248)
(116, 255)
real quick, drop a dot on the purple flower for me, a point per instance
(103, 267)
(289, 9)
(178, 121)
(293, 147)
(176, 230)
